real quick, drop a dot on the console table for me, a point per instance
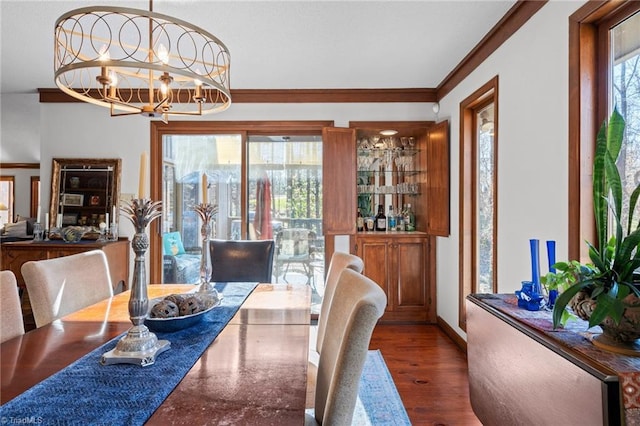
(13, 255)
(523, 372)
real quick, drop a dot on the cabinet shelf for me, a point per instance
(82, 190)
(381, 152)
(401, 173)
(383, 192)
(92, 208)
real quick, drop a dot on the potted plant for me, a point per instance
(605, 290)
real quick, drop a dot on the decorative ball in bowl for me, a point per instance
(73, 234)
(178, 311)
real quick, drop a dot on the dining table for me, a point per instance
(253, 372)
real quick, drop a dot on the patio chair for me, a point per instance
(295, 246)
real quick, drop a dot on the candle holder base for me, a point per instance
(208, 289)
(139, 346)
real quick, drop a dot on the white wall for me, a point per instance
(532, 67)
(22, 190)
(20, 143)
(20, 124)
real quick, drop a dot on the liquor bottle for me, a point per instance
(400, 220)
(360, 221)
(381, 219)
(409, 219)
(391, 226)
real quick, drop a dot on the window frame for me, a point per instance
(588, 108)
(34, 184)
(468, 191)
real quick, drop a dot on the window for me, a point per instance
(624, 94)
(486, 179)
(7, 200)
(478, 194)
(604, 43)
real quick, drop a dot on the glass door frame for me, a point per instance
(244, 128)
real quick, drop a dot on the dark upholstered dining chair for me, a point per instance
(241, 260)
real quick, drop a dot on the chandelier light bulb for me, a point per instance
(163, 54)
(104, 53)
(197, 96)
(197, 81)
(113, 82)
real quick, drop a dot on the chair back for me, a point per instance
(357, 305)
(12, 324)
(241, 260)
(63, 285)
(339, 261)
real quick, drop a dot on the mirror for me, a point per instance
(84, 191)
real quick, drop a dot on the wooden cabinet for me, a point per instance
(339, 181)
(403, 264)
(15, 254)
(428, 175)
(517, 365)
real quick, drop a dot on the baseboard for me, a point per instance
(457, 339)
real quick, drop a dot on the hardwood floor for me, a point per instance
(430, 372)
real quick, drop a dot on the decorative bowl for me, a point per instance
(73, 234)
(177, 323)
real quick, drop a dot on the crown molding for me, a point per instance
(19, 165)
(511, 22)
(293, 96)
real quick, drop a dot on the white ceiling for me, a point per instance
(282, 44)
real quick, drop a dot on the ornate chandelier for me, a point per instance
(140, 62)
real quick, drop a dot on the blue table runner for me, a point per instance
(87, 392)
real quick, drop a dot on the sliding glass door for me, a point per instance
(265, 187)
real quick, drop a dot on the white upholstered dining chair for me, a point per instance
(12, 324)
(357, 305)
(63, 285)
(339, 261)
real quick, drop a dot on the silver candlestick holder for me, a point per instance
(139, 346)
(206, 212)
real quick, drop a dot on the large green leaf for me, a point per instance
(615, 133)
(604, 308)
(600, 189)
(628, 251)
(613, 182)
(633, 200)
(563, 300)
